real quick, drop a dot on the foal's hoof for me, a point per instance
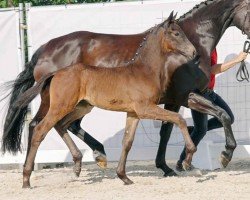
(77, 170)
(100, 159)
(26, 186)
(224, 160)
(127, 181)
(170, 174)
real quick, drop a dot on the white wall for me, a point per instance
(10, 54)
(45, 23)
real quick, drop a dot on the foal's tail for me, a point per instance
(32, 92)
(15, 117)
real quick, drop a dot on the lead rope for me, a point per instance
(242, 73)
(147, 133)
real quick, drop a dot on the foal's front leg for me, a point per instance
(154, 112)
(201, 104)
(128, 138)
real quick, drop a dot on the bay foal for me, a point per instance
(135, 89)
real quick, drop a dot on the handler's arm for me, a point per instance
(219, 68)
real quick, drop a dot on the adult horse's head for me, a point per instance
(241, 16)
(174, 39)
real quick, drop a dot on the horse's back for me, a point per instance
(96, 49)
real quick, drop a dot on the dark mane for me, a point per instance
(196, 7)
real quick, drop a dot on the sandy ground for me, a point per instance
(96, 184)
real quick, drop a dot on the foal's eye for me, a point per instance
(177, 34)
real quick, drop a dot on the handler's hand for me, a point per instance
(242, 56)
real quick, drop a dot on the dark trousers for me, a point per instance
(201, 122)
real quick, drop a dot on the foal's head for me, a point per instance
(173, 39)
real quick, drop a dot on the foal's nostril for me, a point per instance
(194, 53)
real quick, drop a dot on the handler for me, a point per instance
(201, 122)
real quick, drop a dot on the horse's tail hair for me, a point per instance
(14, 121)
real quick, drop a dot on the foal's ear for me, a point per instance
(175, 16)
(171, 17)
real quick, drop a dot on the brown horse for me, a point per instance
(204, 25)
(135, 89)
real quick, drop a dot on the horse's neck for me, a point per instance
(150, 61)
(150, 56)
(206, 30)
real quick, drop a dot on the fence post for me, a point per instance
(27, 8)
(21, 30)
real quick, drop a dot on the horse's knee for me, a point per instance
(232, 119)
(182, 122)
(120, 173)
(77, 156)
(37, 138)
(226, 119)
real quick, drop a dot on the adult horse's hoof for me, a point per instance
(170, 174)
(100, 159)
(186, 166)
(224, 160)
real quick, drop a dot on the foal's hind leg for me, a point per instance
(201, 104)
(76, 153)
(40, 132)
(60, 106)
(42, 111)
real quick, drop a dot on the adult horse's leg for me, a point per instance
(128, 138)
(96, 146)
(201, 104)
(165, 132)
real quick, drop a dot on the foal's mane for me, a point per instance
(148, 32)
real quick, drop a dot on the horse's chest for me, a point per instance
(185, 79)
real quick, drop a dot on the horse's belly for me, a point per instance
(113, 104)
